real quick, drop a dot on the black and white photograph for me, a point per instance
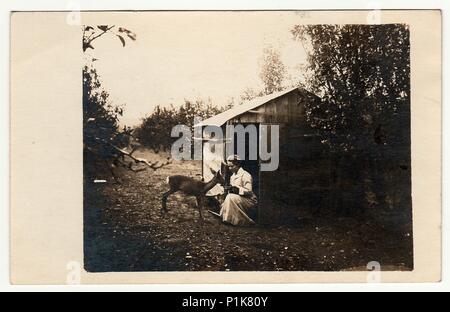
(246, 141)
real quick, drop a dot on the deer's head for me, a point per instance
(218, 178)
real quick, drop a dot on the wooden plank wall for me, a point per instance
(298, 185)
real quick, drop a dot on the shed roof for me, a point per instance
(220, 119)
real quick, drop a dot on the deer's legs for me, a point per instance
(200, 203)
(164, 200)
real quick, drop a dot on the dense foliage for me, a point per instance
(362, 74)
(101, 131)
(155, 130)
(102, 136)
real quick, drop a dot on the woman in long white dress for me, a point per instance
(241, 201)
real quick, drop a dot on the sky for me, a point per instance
(190, 55)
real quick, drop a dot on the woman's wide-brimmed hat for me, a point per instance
(233, 159)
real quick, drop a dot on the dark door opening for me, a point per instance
(251, 166)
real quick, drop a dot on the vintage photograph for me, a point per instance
(245, 141)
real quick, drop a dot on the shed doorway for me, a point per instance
(252, 166)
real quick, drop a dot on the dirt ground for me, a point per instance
(124, 231)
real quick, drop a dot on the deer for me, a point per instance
(190, 187)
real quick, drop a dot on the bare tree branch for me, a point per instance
(153, 165)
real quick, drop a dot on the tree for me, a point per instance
(249, 94)
(273, 71)
(91, 33)
(362, 74)
(103, 141)
(155, 130)
(272, 75)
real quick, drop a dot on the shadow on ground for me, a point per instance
(124, 231)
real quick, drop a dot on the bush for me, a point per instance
(100, 126)
(155, 130)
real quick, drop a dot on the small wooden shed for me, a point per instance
(301, 183)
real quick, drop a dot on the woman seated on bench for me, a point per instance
(241, 202)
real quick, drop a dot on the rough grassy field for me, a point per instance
(124, 231)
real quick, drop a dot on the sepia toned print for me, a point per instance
(225, 147)
(336, 116)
